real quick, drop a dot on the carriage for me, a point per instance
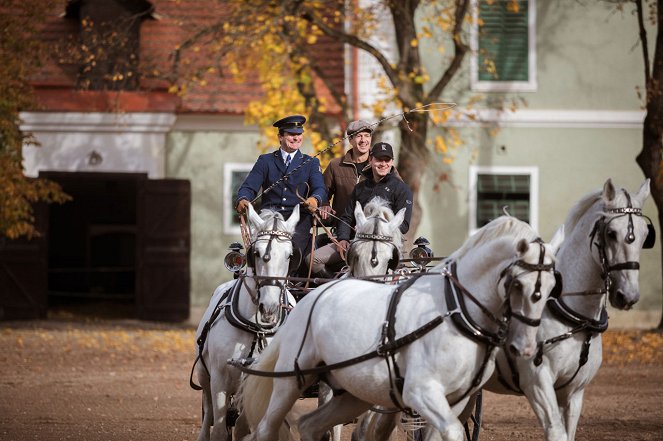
(611, 213)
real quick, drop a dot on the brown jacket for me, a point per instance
(340, 178)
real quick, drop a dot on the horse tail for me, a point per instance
(255, 391)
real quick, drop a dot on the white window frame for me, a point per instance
(533, 173)
(503, 86)
(228, 202)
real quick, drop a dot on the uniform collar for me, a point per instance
(284, 154)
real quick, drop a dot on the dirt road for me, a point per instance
(128, 380)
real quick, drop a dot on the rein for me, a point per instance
(390, 345)
(577, 321)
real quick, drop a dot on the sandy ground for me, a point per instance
(129, 380)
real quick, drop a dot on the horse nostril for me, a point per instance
(514, 351)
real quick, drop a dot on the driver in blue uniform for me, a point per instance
(284, 173)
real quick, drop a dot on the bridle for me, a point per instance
(539, 267)
(599, 233)
(375, 238)
(262, 281)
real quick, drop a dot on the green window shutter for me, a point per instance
(504, 41)
(495, 191)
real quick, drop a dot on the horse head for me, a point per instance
(271, 255)
(528, 282)
(378, 239)
(617, 239)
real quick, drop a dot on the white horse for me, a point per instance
(375, 249)
(241, 312)
(495, 290)
(378, 239)
(599, 261)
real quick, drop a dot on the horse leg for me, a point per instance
(284, 395)
(428, 398)
(325, 394)
(572, 413)
(375, 426)
(220, 401)
(207, 407)
(339, 410)
(541, 395)
(241, 428)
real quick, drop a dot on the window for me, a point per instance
(504, 46)
(493, 188)
(234, 175)
(107, 52)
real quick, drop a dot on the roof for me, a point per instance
(174, 22)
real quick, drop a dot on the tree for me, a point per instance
(279, 41)
(20, 54)
(650, 158)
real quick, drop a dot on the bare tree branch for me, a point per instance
(460, 49)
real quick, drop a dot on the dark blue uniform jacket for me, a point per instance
(269, 168)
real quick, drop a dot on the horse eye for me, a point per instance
(516, 284)
(612, 234)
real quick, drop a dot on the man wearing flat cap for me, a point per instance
(343, 173)
(294, 173)
(380, 179)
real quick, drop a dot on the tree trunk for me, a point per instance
(649, 159)
(412, 163)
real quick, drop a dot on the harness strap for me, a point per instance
(584, 356)
(461, 318)
(566, 314)
(388, 338)
(240, 322)
(203, 338)
(397, 344)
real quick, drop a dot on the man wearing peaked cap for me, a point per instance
(382, 149)
(291, 124)
(287, 172)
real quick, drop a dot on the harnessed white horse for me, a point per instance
(424, 361)
(241, 315)
(599, 261)
(374, 250)
(378, 239)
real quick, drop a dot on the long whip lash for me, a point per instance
(432, 107)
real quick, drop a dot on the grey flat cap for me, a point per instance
(358, 126)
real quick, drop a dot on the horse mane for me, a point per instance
(379, 207)
(579, 210)
(503, 226)
(268, 217)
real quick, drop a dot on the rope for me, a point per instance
(310, 263)
(246, 233)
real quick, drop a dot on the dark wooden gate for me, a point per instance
(23, 269)
(164, 244)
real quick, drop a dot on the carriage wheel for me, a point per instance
(476, 420)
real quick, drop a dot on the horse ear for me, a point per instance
(360, 217)
(608, 191)
(522, 246)
(292, 221)
(643, 192)
(557, 239)
(397, 220)
(254, 218)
